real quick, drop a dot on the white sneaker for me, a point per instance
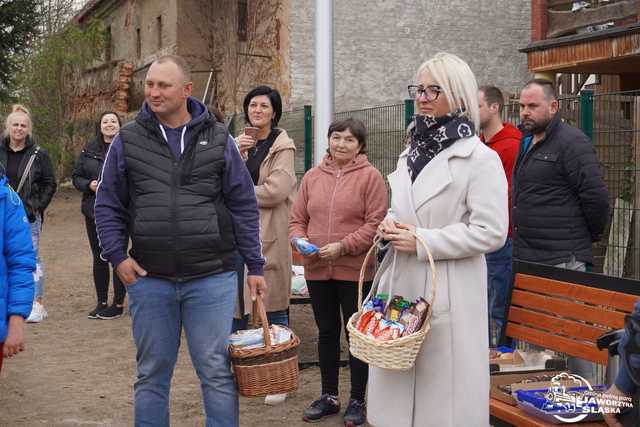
(38, 313)
(275, 399)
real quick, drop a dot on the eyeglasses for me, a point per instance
(430, 92)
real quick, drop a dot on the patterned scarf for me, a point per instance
(431, 135)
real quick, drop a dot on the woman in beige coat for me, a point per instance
(450, 189)
(269, 155)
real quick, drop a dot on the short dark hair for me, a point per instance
(355, 126)
(180, 63)
(274, 98)
(547, 87)
(493, 95)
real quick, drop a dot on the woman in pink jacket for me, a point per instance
(338, 208)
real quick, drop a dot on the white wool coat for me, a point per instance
(458, 204)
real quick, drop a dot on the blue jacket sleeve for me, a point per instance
(623, 381)
(20, 257)
(240, 199)
(112, 205)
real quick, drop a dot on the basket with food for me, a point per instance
(388, 332)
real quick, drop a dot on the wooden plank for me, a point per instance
(517, 417)
(618, 300)
(557, 343)
(562, 22)
(556, 325)
(592, 280)
(513, 415)
(568, 309)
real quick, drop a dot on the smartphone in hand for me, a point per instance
(251, 131)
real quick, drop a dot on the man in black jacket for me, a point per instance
(560, 201)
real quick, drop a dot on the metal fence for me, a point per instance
(294, 123)
(386, 134)
(385, 128)
(611, 120)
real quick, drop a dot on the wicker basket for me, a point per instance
(398, 354)
(271, 369)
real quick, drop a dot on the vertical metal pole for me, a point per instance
(586, 112)
(323, 94)
(409, 105)
(206, 89)
(308, 138)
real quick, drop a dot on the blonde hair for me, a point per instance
(457, 81)
(17, 109)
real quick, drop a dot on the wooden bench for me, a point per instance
(565, 311)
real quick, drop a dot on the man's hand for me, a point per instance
(93, 185)
(610, 419)
(129, 270)
(402, 238)
(14, 343)
(257, 286)
(330, 251)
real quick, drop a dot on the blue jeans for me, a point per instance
(159, 308)
(38, 275)
(499, 277)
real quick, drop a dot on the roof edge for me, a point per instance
(579, 38)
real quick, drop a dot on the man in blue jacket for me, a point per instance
(17, 264)
(175, 179)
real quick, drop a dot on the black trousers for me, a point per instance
(101, 269)
(328, 299)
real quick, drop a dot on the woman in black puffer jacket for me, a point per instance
(86, 175)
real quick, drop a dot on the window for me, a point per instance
(159, 32)
(243, 16)
(138, 44)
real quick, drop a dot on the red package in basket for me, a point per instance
(372, 326)
(364, 320)
(389, 330)
(383, 334)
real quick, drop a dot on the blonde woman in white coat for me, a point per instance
(450, 189)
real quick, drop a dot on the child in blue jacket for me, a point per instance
(17, 264)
